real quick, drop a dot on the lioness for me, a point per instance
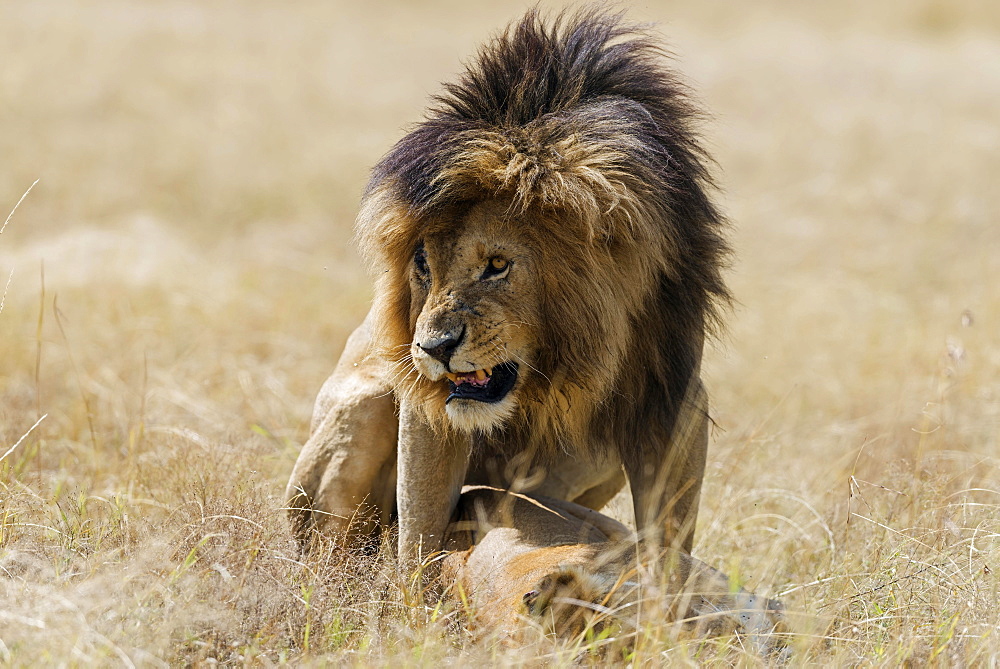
(565, 567)
(547, 263)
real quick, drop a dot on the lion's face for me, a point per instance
(474, 307)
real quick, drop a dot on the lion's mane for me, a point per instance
(584, 131)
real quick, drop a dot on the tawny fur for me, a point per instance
(524, 562)
(568, 151)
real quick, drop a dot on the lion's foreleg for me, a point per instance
(431, 470)
(343, 482)
(666, 490)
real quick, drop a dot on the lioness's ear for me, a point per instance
(567, 581)
(529, 599)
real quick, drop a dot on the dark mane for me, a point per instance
(585, 65)
(579, 124)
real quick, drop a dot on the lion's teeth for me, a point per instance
(480, 375)
(452, 377)
(489, 371)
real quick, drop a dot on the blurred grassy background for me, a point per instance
(183, 282)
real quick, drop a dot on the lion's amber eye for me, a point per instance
(496, 268)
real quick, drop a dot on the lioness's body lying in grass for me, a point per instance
(565, 567)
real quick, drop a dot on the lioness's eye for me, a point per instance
(420, 260)
(496, 268)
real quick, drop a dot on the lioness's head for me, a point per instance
(543, 243)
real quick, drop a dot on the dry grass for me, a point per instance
(183, 282)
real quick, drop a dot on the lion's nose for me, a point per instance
(443, 346)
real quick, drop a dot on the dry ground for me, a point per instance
(183, 281)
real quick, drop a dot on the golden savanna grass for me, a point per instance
(183, 281)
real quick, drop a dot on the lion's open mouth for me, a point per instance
(483, 385)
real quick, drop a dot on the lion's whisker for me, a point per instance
(527, 364)
(516, 323)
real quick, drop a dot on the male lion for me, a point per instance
(518, 558)
(547, 262)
